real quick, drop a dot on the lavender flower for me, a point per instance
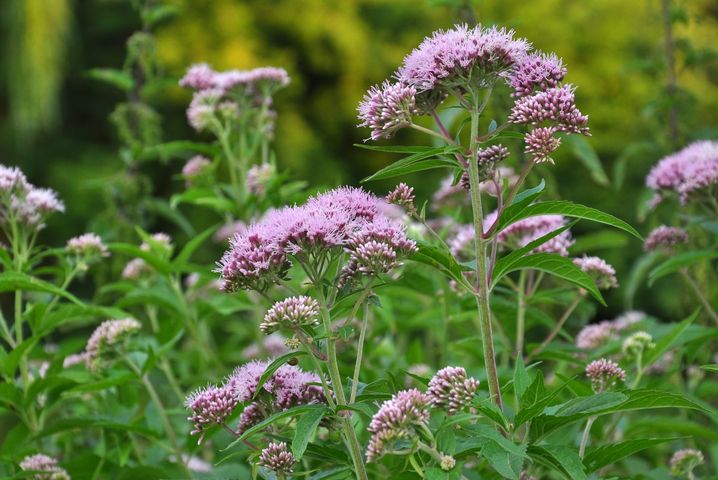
(108, 334)
(198, 77)
(541, 143)
(450, 57)
(451, 389)
(536, 71)
(397, 419)
(274, 345)
(403, 196)
(158, 242)
(627, 320)
(599, 270)
(87, 245)
(684, 172)
(487, 159)
(74, 359)
(555, 106)
(683, 462)
(201, 113)
(136, 269)
(525, 231)
(250, 416)
(47, 465)
(12, 181)
(387, 108)
(604, 374)
(593, 336)
(210, 406)
(195, 168)
(665, 238)
(291, 313)
(277, 458)
(258, 177)
(229, 230)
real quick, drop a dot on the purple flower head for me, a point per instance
(210, 406)
(524, 231)
(244, 379)
(108, 334)
(460, 55)
(683, 462)
(136, 269)
(595, 335)
(258, 177)
(387, 108)
(604, 374)
(291, 313)
(402, 195)
(555, 106)
(397, 419)
(201, 112)
(292, 386)
(273, 345)
(88, 245)
(35, 205)
(487, 159)
(451, 389)
(195, 168)
(278, 458)
(599, 270)
(665, 238)
(198, 77)
(686, 171)
(47, 465)
(229, 230)
(250, 416)
(627, 320)
(12, 181)
(536, 71)
(541, 143)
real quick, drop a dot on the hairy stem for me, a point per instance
(480, 247)
(521, 314)
(360, 354)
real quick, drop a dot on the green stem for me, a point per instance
(639, 370)
(360, 354)
(697, 290)
(557, 328)
(163, 416)
(349, 434)
(417, 467)
(521, 314)
(433, 133)
(480, 246)
(586, 435)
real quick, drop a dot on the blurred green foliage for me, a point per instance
(615, 52)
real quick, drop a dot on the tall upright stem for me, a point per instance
(350, 435)
(521, 314)
(481, 249)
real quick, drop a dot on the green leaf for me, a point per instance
(114, 379)
(273, 367)
(605, 455)
(558, 266)
(525, 198)
(563, 459)
(192, 245)
(306, 426)
(587, 155)
(712, 367)
(291, 412)
(117, 78)
(567, 209)
(396, 148)
(505, 262)
(11, 281)
(441, 259)
(489, 409)
(158, 264)
(635, 277)
(669, 341)
(204, 197)
(590, 404)
(83, 423)
(521, 378)
(680, 260)
(425, 160)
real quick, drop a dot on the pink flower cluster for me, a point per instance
(387, 108)
(397, 419)
(594, 335)
(345, 218)
(22, 203)
(684, 461)
(451, 389)
(402, 195)
(555, 106)
(599, 270)
(108, 334)
(536, 71)
(195, 168)
(291, 313)
(664, 238)
(258, 177)
(604, 374)
(45, 464)
(259, 80)
(289, 386)
(87, 245)
(685, 172)
(525, 231)
(278, 458)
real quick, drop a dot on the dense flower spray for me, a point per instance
(47, 468)
(397, 419)
(665, 238)
(604, 374)
(450, 388)
(686, 172)
(599, 270)
(109, 334)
